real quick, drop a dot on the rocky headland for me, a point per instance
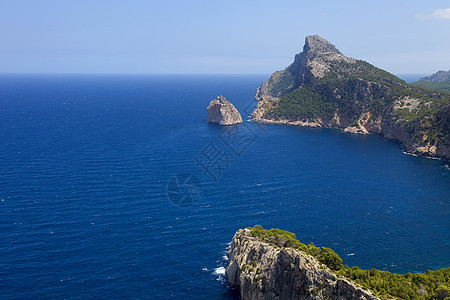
(273, 264)
(270, 270)
(324, 88)
(222, 112)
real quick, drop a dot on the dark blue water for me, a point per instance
(85, 164)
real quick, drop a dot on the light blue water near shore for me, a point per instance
(85, 164)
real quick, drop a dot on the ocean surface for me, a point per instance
(117, 187)
(409, 78)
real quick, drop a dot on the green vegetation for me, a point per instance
(437, 86)
(281, 82)
(302, 104)
(428, 285)
(354, 88)
(386, 285)
(287, 239)
(439, 81)
(340, 91)
(359, 69)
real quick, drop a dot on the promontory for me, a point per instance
(273, 264)
(222, 112)
(324, 88)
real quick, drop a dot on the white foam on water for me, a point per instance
(415, 155)
(219, 271)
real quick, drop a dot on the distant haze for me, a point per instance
(411, 77)
(47, 36)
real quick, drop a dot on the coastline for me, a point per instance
(417, 151)
(274, 264)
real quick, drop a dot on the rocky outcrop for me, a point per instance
(221, 111)
(439, 76)
(317, 58)
(260, 270)
(324, 88)
(439, 81)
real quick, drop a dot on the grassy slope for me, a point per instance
(437, 86)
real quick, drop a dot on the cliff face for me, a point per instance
(439, 76)
(316, 59)
(221, 111)
(439, 81)
(324, 88)
(266, 271)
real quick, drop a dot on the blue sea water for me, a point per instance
(409, 78)
(117, 187)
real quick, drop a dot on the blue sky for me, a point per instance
(175, 36)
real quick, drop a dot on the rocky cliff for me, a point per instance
(439, 76)
(439, 81)
(221, 111)
(271, 270)
(273, 264)
(324, 88)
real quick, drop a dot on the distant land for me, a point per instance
(409, 78)
(324, 88)
(439, 81)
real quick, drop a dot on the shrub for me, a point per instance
(428, 285)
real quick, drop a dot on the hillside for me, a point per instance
(324, 88)
(439, 76)
(439, 81)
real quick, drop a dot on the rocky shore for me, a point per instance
(263, 270)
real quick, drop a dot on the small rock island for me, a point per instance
(222, 112)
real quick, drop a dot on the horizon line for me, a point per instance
(126, 73)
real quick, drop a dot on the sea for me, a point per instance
(116, 186)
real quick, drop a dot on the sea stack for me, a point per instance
(222, 112)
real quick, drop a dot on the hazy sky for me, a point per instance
(194, 36)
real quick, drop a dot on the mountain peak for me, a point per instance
(324, 88)
(315, 44)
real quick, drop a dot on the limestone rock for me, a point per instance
(221, 111)
(439, 76)
(356, 97)
(260, 270)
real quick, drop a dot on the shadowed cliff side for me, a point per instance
(273, 264)
(261, 270)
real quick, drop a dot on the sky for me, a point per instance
(231, 37)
